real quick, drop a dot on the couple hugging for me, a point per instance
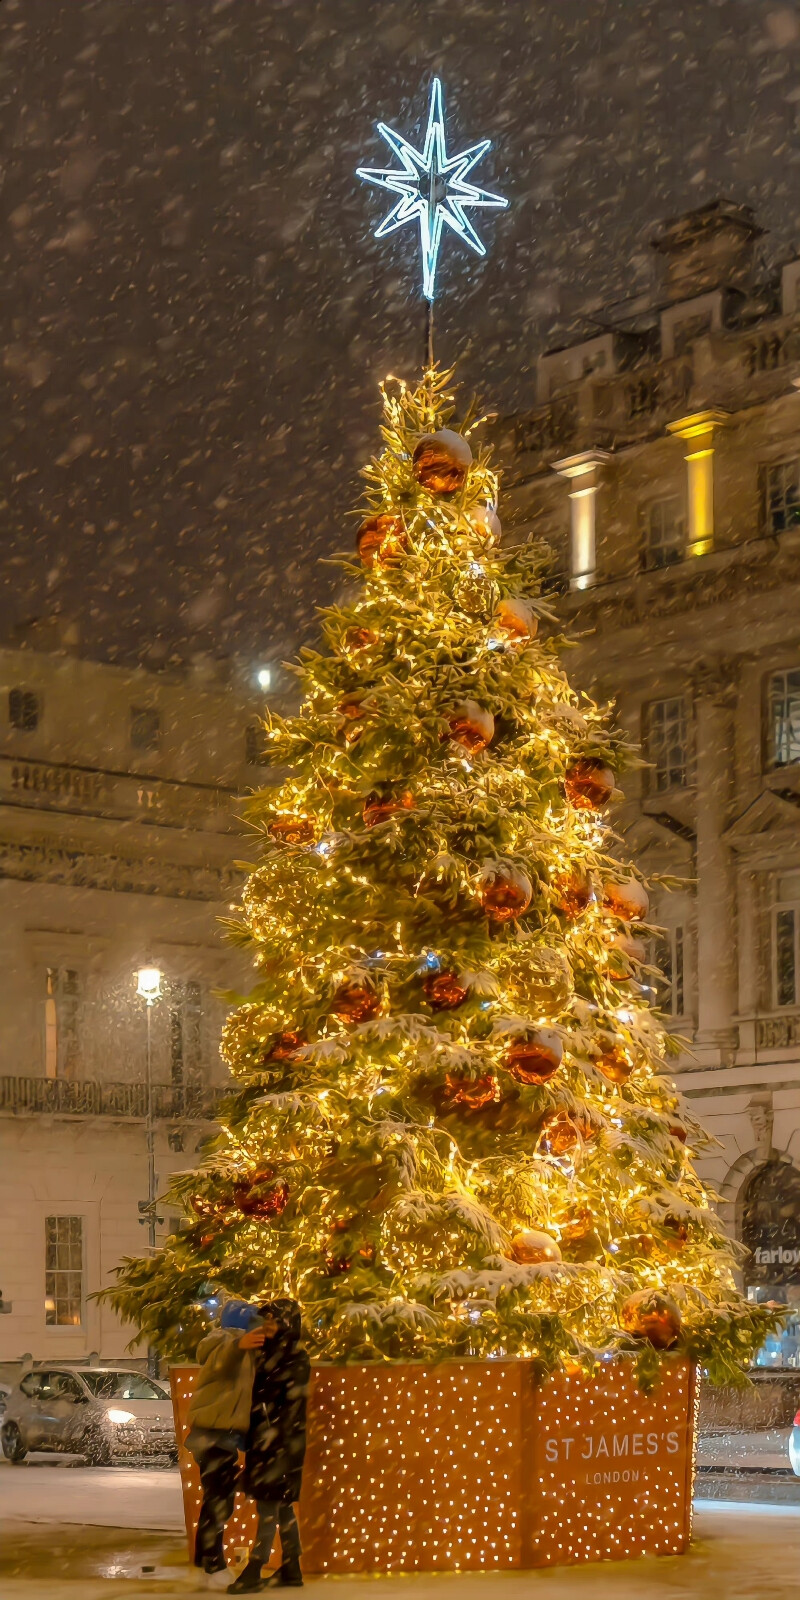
(250, 1396)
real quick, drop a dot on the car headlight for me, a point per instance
(120, 1417)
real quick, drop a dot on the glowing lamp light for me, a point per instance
(432, 189)
(120, 1418)
(264, 677)
(148, 984)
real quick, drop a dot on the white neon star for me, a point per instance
(432, 187)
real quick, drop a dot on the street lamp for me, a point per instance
(148, 988)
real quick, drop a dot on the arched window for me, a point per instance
(771, 1226)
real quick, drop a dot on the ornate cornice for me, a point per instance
(42, 861)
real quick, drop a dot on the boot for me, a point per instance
(249, 1580)
(288, 1576)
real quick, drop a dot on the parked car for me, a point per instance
(5, 1390)
(97, 1412)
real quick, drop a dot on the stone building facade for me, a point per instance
(118, 842)
(661, 462)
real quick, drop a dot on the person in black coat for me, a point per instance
(276, 1446)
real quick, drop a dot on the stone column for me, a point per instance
(698, 429)
(583, 471)
(717, 960)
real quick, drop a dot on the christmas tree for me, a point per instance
(450, 1131)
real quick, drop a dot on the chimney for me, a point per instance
(711, 248)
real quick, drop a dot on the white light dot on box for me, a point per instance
(476, 1464)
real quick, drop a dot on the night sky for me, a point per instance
(194, 313)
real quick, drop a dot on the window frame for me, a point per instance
(675, 938)
(653, 787)
(30, 703)
(771, 762)
(648, 550)
(140, 713)
(56, 1272)
(782, 908)
(767, 520)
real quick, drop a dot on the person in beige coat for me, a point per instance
(219, 1419)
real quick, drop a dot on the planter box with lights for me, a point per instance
(478, 1466)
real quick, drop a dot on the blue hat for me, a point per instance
(238, 1314)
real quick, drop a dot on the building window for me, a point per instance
(24, 710)
(63, 1288)
(780, 490)
(786, 962)
(186, 1033)
(145, 728)
(665, 744)
(667, 956)
(62, 1023)
(664, 537)
(255, 745)
(784, 718)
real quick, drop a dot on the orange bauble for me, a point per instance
(351, 707)
(627, 900)
(355, 1002)
(516, 619)
(615, 1064)
(444, 991)
(677, 1131)
(381, 538)
(471, 726)
(357, 639)
(472, 1093)
(380, 807)
(530, 1247)
(580, 1241)
(292, 830)
(263, 1196)
(564, 1131)
(485, 521)
(678, 1227)
(574, 892)
(286, 1047)
(589, 784)
(505, 892)
(441, 461)
(534, 1057)
(649, 1314)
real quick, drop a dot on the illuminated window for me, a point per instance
(665, 743)
(145, 728)
(664, 533)
(784, 718)
(63, 1289)
(24, 710)
(62, 1007)
(780, 495)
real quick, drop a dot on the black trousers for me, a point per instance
(219, 1470)
(274, 1514)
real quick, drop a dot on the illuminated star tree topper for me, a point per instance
(433, 189)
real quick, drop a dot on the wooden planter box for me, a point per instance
(473, 1465)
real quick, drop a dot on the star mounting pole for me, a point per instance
(433, 191)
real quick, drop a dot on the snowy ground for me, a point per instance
(74, 1533)
(44, 1488)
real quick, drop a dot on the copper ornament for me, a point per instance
(381, 539)
(471, 726)
(516, 619)
(649, 1314)
(615, 1065)
(443, 991)
(534, 1057)
(286, 1047)
(354, 1003)
(441, 461)
(574, 893)
(472, 1093)
(380, 807)
(627, 900)
(589, 784)
(530, 1247)
(505, 893)
(292, 830)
